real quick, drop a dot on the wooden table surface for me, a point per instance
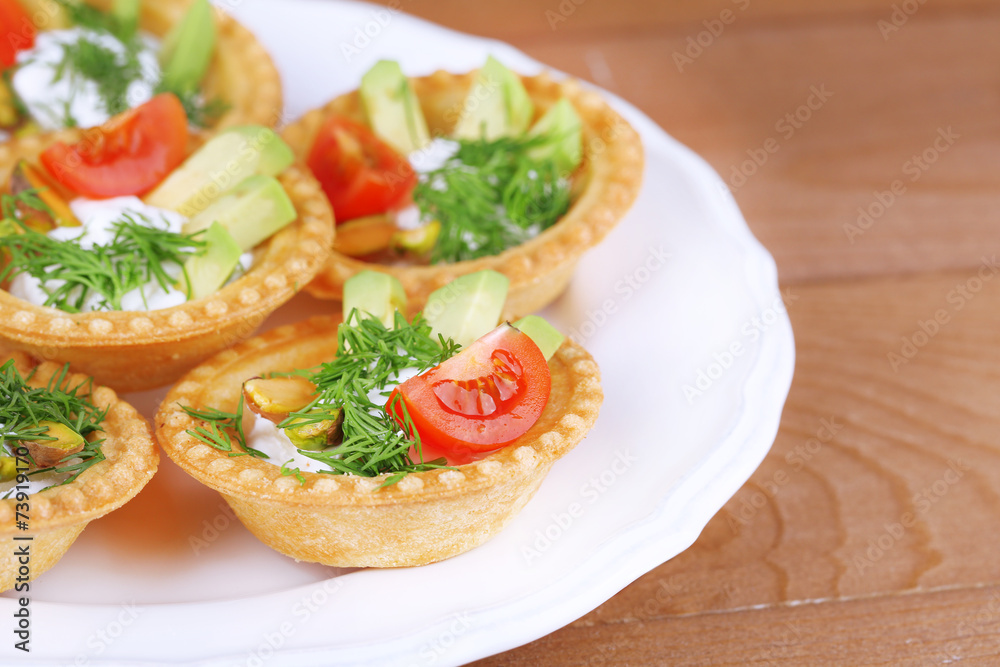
(861, 139)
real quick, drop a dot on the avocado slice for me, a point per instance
(563, 131)
(219, 166)
(497, 105)
(209, 271)
(377, 294)
(467, 307)
(126, 13)
(545, 336)
(254, 210)
(187, 49)
(392, 108)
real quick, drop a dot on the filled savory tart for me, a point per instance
(77, 63)
(70, 452)
(136, 250)
(393, 443)
(443, 175)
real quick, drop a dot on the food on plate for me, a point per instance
(137, 249)
(376, 441)
(78, 63)
(443, 175)
(70, 452)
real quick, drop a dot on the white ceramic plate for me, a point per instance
(662, 303)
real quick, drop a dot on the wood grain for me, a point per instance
(886, 102)
(559, 20)
(868, 535)
(883, 480)
(822, 199)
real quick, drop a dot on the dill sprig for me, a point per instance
(370, 356)
(490, 196)
(23, 406)
(70, 274)
(115, 72)
(111, 71)
(200, 112)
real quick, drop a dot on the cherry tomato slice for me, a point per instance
(128, 155)
(485, 397)
(17, 32)
(361, 174)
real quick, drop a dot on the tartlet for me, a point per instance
(134, 351)
(241, 73)
(347, 520)
(58, 515)
(608, 182)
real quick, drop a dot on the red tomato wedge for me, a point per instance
(360, 173)
(485, 397)
(128, 155)
(17, 32)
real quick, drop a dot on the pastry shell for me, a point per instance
(134, 351)
(347, 520)
(540, 268)
(241, 73)
(56, 516)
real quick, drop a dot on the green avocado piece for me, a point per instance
(126, 13)
(377, 294)
(563, 129)
(219, 166)
(209, 271)
(392, 108)
(497, 105)
(253, 211)
(467, 307)
(545, 336)
(187, 49)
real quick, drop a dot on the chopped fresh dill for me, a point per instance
(491, 196)
(23, 406)
(286, 471)
(222, 427)
(200, 112)
(72, 277)
(114, 72)
(370, 356)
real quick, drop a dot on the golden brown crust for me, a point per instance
(133, 351)
(348, 521)
(539, 269)
(57, 515)
(241, 73)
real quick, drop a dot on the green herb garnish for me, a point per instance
(369, 356)
(22, 407)
(200, 112)
(113, 72)
(70, 274)
(286, 471)
(491, 196)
